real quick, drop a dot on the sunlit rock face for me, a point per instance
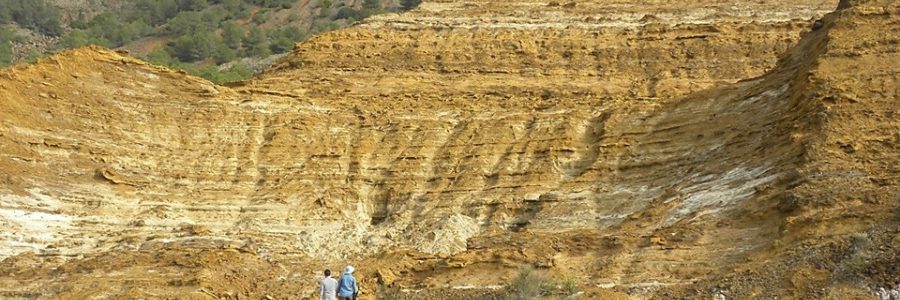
(648, 146)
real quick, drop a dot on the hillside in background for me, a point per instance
(221, 40)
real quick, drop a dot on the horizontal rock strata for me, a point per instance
(646, 145)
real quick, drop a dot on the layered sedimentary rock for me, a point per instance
(650, 148)
(534, 54)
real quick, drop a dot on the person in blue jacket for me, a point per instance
(347, 288)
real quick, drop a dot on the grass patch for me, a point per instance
(529, 284)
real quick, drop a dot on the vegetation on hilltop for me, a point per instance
(209, 38)
(7, 37)
(37, 15)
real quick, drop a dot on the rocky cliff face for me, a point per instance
(649, 148)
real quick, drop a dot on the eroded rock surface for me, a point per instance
(649, 148)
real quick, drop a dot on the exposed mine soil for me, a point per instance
(633, 149)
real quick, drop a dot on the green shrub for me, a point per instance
(566, 287)
(261, 16)
(233, 6)
(351, 13)
(76, 38)
(325, 4)
(569, 286)
(281, 45)
(38, 15)
(373, 4)
(529, 284)
(256, 43)
(210, 72)
(232, 35)
(223, 54)
(193, 47)
(259, 50)
(105, 30)
(283, 40)
(32, 56)
(272, 3)
(859, 252)
(214, 16)
(526, 286)
(154, 12)
(7, 37)
(161, 57)
(192, 5)
(410, 4)
(185, 23)
(324, 25)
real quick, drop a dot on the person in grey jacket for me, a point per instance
(328, 287)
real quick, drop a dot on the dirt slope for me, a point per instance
(640, 148)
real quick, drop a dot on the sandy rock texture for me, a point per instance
(641, 149)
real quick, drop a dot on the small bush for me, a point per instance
(526, 286)
(7, 37)
(261, 17)
(530, 284)
(232, 35)
(32, 56)
(283, 40)
(388, 292)
(350, 13)
(569, 287)
(185, 23)
(565, 287)
(324, 25)
(256, 43)
(858, 255)
(857, 263)
(194, 47)
(410, 4)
